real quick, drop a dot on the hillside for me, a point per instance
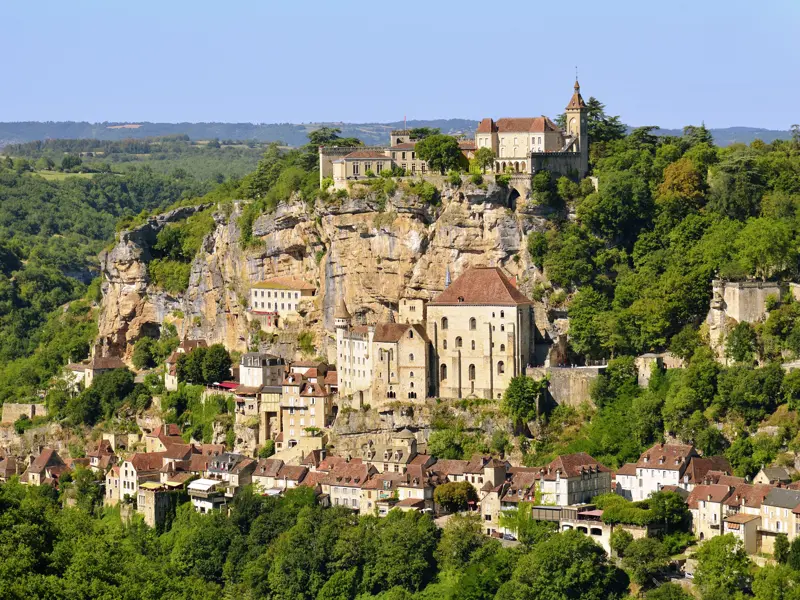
(288, 133)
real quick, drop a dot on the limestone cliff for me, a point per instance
(372, 253)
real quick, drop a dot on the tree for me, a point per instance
(455, 496)
(766, 247)
(441, 152)
(521, 399)
(670, 509)
(781, 548)
(669, 591)
(143, 352)
(568, 565)
(776, 582)
(216, 364)
(461, 537)
(484, 158)
(600, 126)
(267, 450)
(527, 530)
(620, 540)
(644, 558)
(419, 133)
(723, 567)
(70, 161)
(190, 366)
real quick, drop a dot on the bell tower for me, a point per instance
(577, 128)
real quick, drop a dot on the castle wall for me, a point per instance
(569, 387)
(12, 412)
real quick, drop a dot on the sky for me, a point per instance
(653, 62)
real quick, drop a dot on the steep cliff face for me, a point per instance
(369, 253)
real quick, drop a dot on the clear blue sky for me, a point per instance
(661, 62)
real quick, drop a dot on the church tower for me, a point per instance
(577, 127)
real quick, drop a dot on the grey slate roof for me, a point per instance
(783, 498)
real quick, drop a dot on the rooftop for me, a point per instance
(284, 283)
(485, 286)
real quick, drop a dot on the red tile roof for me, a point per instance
(362, 154)
(517, 124)
(667, 457)
(573, 465)
(577, 100)
(268, 467)
(707, 493)
(47, 458)
(627, 469)
(332, 378)
(392, 332)
(292, 473)
(699, 467)
(147, 461)
(748, 495)
(487, 286)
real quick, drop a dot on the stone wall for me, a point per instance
(12, 412)
(568, 386)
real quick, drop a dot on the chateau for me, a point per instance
(469, 341)
(520, 145)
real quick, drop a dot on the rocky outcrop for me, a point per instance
(370, 253)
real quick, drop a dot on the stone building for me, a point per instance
(574, 479)
(527, 145)
(353, 352)
(481, 329)
(257, 369)
(277, 300)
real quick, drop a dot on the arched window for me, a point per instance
(472, 372)
(473, 344)
(473, 324)
(411, 385)
(501, 367)
(410, 333)
(411, 374)
(502, 314)
(410, 358)
(444, 344)
(443, 373)
(444, 322)
(502, 347)
(458, 342)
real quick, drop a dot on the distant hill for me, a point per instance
(288, 133)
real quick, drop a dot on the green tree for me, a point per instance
(461, 538)
(781, 548)
(455, 496)
(620, 540)
(568, 565)
(267, 450)
(441, 152)
(669, 591)
(216, 364)
(143, 352)
(484, 158)
(723, 567)
(645, 558)
(766, 247)
(521, 398)
(190, 366)
(70, 161)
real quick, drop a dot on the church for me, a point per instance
(468, 342)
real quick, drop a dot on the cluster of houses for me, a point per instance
(396, 476)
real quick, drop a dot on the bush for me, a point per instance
(503, 180)
(305, 341)
(454, 178)
(476, 179)
(267, 450)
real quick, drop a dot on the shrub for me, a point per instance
(305, 340)
(476, 179)
(503, 180)
(454, 178)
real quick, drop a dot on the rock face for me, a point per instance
(371, 254)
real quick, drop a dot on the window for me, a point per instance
(413, 155)
(355, 168)
(410, 358)
(443, 373)
(501, 367)
(473, 324)
(473, 344)
(444, 344)
(379, 167)
(502, 314)
(410, 333)
(502, 327)
(502, 347)
(403, 155)
(411, 374)
(458, 342)
(472, 372)
(444, 322)
(411, 385)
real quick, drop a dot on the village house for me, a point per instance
(101, 457)
(153, 502)
(574, 479)
(353, 352)
(773, 476)
(44, 469)
(162, 437)
(344, 482)
(141, 467)
(779, 515)
(663, 464)
(394, 456)
(306, 405)
(206, 495)
(278, 300)
(708, 509)
(9, 467)
(257, 369)
(112, 494)
(234, 470)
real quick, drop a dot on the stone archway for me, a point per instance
(513, 196)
